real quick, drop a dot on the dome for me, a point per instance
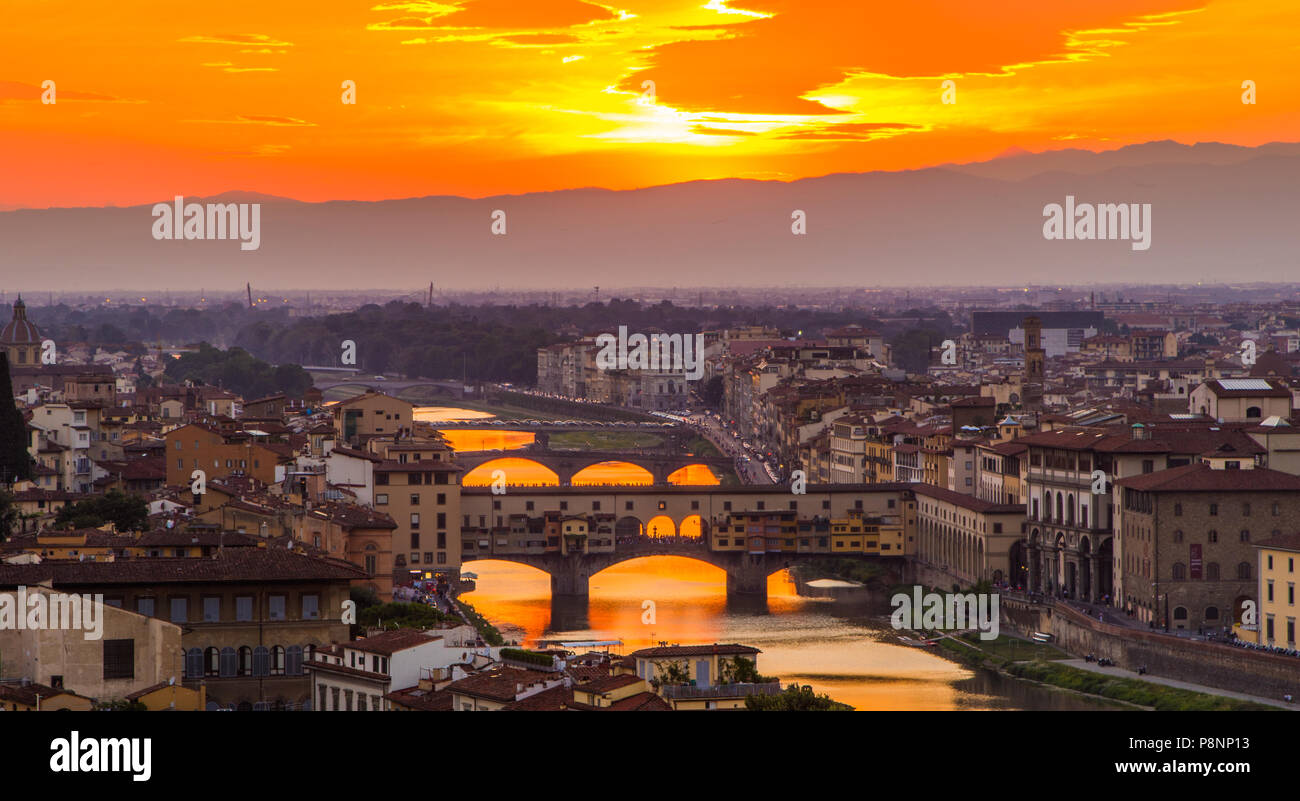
(20, 330)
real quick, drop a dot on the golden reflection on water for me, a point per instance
(801, 640)
(486, 439)
(442, 414)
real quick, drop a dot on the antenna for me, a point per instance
(249, 287)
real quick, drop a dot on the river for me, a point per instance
(841, 645)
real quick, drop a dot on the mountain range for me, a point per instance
(1219, 213)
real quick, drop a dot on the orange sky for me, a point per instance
(484, 97)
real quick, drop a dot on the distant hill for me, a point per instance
(1219, 213)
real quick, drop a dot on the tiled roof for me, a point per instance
(1200, 477)
(390, 642)
(1286, 542)
(235, 564)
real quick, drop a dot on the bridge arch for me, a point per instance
(518, 471)
(694, 475)
(612, 472)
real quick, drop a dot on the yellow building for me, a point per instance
(171, 696)
(701, 664)
(370, 414)
(1278, 557)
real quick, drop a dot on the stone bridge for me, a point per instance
(747, 573)
(566, 464)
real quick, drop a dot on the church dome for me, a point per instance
(20, 330)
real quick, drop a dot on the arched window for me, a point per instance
(1213, 536)
(1243, 570)
(1180, 571)
(229, 662)
(1253, 412)
(194, 663)
(1245, 535)
(1212, 571)
(245, 661)
(1180, 613)
(293, 660)
(1178, 535)
(261, 661)
(212, 662)
(308, 653)
(277, 660)
(1211, 613)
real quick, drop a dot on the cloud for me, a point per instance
(239, 39)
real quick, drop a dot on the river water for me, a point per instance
(840, 644)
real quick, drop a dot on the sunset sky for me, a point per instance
(486, 97)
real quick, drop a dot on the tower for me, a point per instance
(1035, 361)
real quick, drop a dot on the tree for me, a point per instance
(125, 512)
(8, 515)
(670, 673)
(795, 698)
(740, 671)
(15, 461)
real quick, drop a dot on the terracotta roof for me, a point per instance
(423, 700)
(236, 564)
(1285, 542)
(966, 501)
(499, 684)
(1200, 477)
(390, 642)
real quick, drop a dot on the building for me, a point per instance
(357, 675)
(200, 447)
(21, 339)
(1185, 553)
(1276, 567)
(1241, 399)
(131, 652)
(969, 539)
(249, 618)
(372, 413)
(704, 665)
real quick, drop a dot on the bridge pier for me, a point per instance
(570, 580)
(748, 576)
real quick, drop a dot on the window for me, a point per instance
(1178, 510)
(277, 604)
(243, 607)
(119, 659)
(415, 519)
(245, 661)
(1214, 509)
(144, 606)
(381, 479)
(293, 660)
(310, 607)
(1213, 536)
(1245, 510)
(1245, 535)
(1178, 536)
(1243, 570)
(277, 660)
(180, 610)
(415, 499)
(381, 499)
(1179, 571)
